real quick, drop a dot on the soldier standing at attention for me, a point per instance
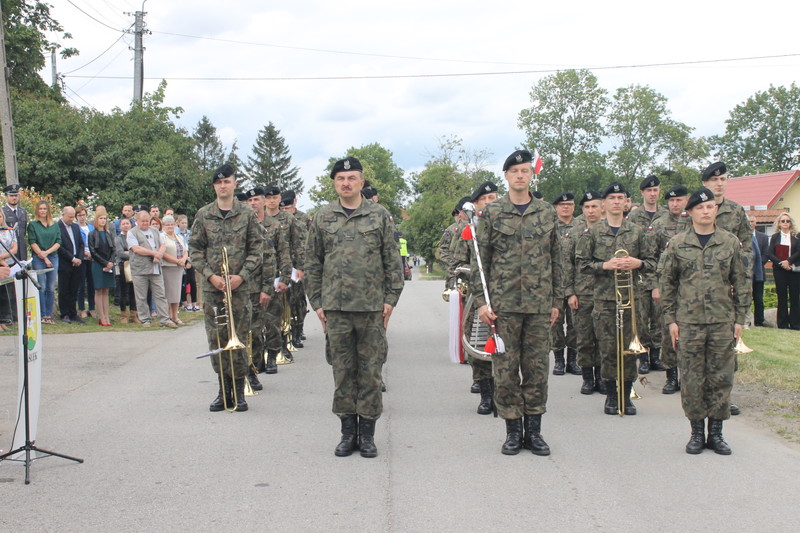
(705, 317)
(649, 311)
(579, 289)
(354, 280)
(565, 209)
(453, 230)
(730, 217)
(676, 221)
(521, 255)
(298, 294)
(228, 223)
(596, 255)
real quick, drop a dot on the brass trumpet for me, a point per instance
(625, 298)
(286, 332)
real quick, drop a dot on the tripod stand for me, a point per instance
(25, 275)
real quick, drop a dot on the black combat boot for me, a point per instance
(630, 409)
(241, 403)
(671, 386)
(533, 440)
(513, 443)
(487, 404)
(297, 339)
(655, 360)
(697, 440)
(287, 354)
(366, 437)
(272, 366)
(254, 383)
(588, 380)
(349, 442)
(475, 388)
(383, 386)
(599, 384)
(715, 441)
(572, 362)
(558, 364)
(219, 402)
(610, 407)
(735, 410)
(644, 363)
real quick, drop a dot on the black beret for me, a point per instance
(699, 196)
(287, 198)
(256, 191)
(564, 197)
(141, 207)
(537, 194)
(615, 188)
(12, 189)
(588, 196)
(676, 191)
(649, 181)
(348, 163)
(241, 196)
(369, 192)
(224, 171)
(518, 157)
(485, 188)
(272, 190)
(714, 169)
(460, 205)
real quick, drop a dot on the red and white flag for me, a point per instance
(537, 163)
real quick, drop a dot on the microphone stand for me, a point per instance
(24, 274)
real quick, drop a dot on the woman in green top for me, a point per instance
(44, 237)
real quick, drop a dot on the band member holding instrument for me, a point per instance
(705, 317)
(521, 257)
(354, 280)
(298, 293)
(565, 344)
(227, 223)
(595, 253)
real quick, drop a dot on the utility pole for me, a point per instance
(53, 68)
(9, 148)
(138, 57)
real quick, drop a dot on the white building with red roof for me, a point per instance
(767, 195)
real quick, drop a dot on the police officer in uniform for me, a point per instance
(596, 256)
(354, 280)
(705, 317)
(676, 221)
(520, 252)
(564, 343)
(228, 223)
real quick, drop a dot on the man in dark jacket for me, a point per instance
(69, 265)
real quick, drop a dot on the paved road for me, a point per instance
(134, 406)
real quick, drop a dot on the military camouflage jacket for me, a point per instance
(696, 281)
(303, 219)
(264, 279)
(353, 262)
(564, 227)
(732, 218)
(239, 232)
(276, 235)
(521, 256)
(444, 255)
(640, 218)
(599, 244)
(295, 236)
(575, 282)
(665, 228)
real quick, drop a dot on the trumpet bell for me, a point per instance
(635, 347)
(741, 347)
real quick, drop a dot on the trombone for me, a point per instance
(625, 298)
(286, 332)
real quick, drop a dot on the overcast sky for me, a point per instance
(349, 38)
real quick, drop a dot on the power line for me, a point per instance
(101, 70)
(455, 75)
(79, 96)
(92, 17)
(98, 57)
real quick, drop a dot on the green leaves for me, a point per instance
(271, 163)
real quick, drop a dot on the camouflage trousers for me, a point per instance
(297, 297)
(218, 335)
(520, 374)
(669, 357)
(258, 329)
(588, 353)
(356, 347)
(273, 341)
(649, 320)
(604, 317)
(706, 360)
(559, 340)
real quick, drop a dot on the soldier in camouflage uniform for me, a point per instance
(649, 311)
(564, 343)
(520, 252)
(461, 253)
(596, 255)
(298, 292)
(443, 249)
(354, 280)
(579, 290)
(227, 223)
(730, 217)
(676, 221)
(275, 238)
(705, 318)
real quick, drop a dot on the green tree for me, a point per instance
(763, 133)
(208, 147)
(381, 171)
(564, 124)
(643, 133)
(233, 158)
(271, 163)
